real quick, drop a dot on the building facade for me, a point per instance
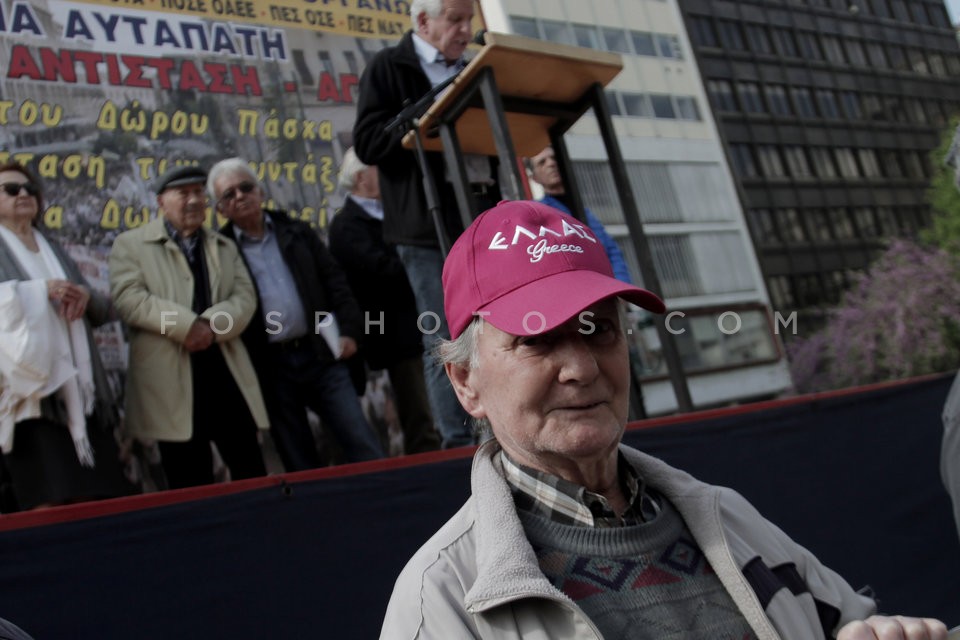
(828, 110)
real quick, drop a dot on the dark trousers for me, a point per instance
(221, 416)
(413, 406)
(300, 382)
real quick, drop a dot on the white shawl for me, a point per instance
(40, 352)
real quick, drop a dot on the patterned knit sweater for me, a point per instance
(644, 581)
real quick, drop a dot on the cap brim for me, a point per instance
(548, 302)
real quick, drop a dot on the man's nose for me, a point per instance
(578, 362)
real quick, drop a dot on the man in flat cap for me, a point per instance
(568, 533)
(186, 296)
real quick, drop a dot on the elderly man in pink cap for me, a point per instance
(568, 533)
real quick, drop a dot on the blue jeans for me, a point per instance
(300, 381)
(424, 267)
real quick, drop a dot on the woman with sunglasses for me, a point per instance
(57, 412)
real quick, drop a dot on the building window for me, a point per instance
(827, 101)
(701, 32)
(919, 14)
(797, 162)
(866, 225)
(891, 164)
(783, 42)
(898, 57)
(750, 99)
(721, 94)
(818, 223)
(913, 164)
(846, 162)
(758, 39)
(637, 105)
(791, 227)
(832, 49)
(877, 55)
(643, 43)
(918, 62)
(803, 102)
(663, 106)
(669, 46)
(777, 99)
(809, 46)
(770, 163)
(763, 227)
(868, 163)
(687, 108)
(781, 296)
(887, 221)
(615, 40)
(742, 159)
(900, 10)
(524, 26)
(872, 108)
(823, 162)
(855, 53)
(878, 8)
(914, 111)
(730, 36)
(843, 228)
(851, 105)
(585, 35)
(613, 103)
(937, 67)
(554, 31)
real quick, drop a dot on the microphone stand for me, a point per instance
(408, 120)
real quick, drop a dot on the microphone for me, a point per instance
(480, 37)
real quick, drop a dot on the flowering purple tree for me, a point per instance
(901, 319)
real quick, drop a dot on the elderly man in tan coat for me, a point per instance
(186, 296)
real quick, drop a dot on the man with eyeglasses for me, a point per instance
(306, 325)
(186, 296)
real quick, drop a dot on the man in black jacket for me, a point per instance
(307, 323)
(425, 57)
(376, 276)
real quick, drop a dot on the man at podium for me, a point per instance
(427, 55)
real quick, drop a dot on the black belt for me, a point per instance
(293, 344)
(481, 188)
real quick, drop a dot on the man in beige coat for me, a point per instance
(186, 296)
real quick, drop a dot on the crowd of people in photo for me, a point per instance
(259, 331)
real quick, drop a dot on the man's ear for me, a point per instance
(422, 18)
(463, 385)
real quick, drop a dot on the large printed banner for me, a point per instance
(99, 97)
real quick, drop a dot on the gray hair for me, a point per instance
(229, 166)
(432, 8)
(350, 166)
(463, 352)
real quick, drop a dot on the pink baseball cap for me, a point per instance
(527, 268)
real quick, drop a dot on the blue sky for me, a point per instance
(953, 8)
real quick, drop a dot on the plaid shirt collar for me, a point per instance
(568, 503)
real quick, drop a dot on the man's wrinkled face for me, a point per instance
(553, 398)
(185, 206)
(450, 31)
(546, 172)
(239, 198)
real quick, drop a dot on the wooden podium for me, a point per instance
(517, 95)
(521, 94)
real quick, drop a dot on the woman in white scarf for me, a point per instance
(55, 408)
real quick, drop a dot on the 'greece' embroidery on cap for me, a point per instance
(499, 241)
(541, 249)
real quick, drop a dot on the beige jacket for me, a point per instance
(152, 288)
(478, 576)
